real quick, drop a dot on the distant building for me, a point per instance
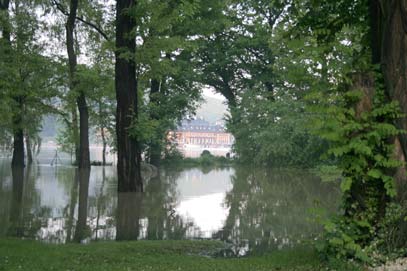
(199, 132)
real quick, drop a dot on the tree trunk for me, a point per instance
(83, 158)
(18, 135)
(29, 149)
(102, 133)
(155, 147)
(128, 150)
(75, 133)
(389, 47)
(4, 5)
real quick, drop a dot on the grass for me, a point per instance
(145, 255)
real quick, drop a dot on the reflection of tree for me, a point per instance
(5, 196)
(16, 221)
(81, 230)
(103, 204)
(159, 207)
(155, 207)
(270, 208)
(101, 200)
(128, 215)
(69, 210)
(25, 205)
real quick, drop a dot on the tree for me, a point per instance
(168, 86)
(84, 157)
(128, 149)
(363, 104)
(30, 78)
(18, 137)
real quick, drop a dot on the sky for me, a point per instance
(209, 92)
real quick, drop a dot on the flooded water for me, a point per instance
(250, 209)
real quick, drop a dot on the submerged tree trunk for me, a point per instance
(18, 135)
(29, 149)
(128, 150)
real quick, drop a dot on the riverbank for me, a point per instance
(145, 255)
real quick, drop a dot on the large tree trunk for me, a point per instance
(84, 159)
(388, 21)
(128, 150)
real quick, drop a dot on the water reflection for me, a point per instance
(251, 209)
(270, 209)
(82, 231)
(16, 227)
(128, 215)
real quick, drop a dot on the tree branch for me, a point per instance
(61, 8)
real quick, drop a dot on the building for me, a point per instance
(200, 133)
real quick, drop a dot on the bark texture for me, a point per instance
(128, 150)
(388, 21)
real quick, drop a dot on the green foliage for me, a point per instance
(28, 77)
(352, 114)
(390, 239)
(205, 160)
(66, 140)
(342, 238)
(274, 133)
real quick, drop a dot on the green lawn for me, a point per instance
(144, 255)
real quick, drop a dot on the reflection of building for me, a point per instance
(201, 133)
